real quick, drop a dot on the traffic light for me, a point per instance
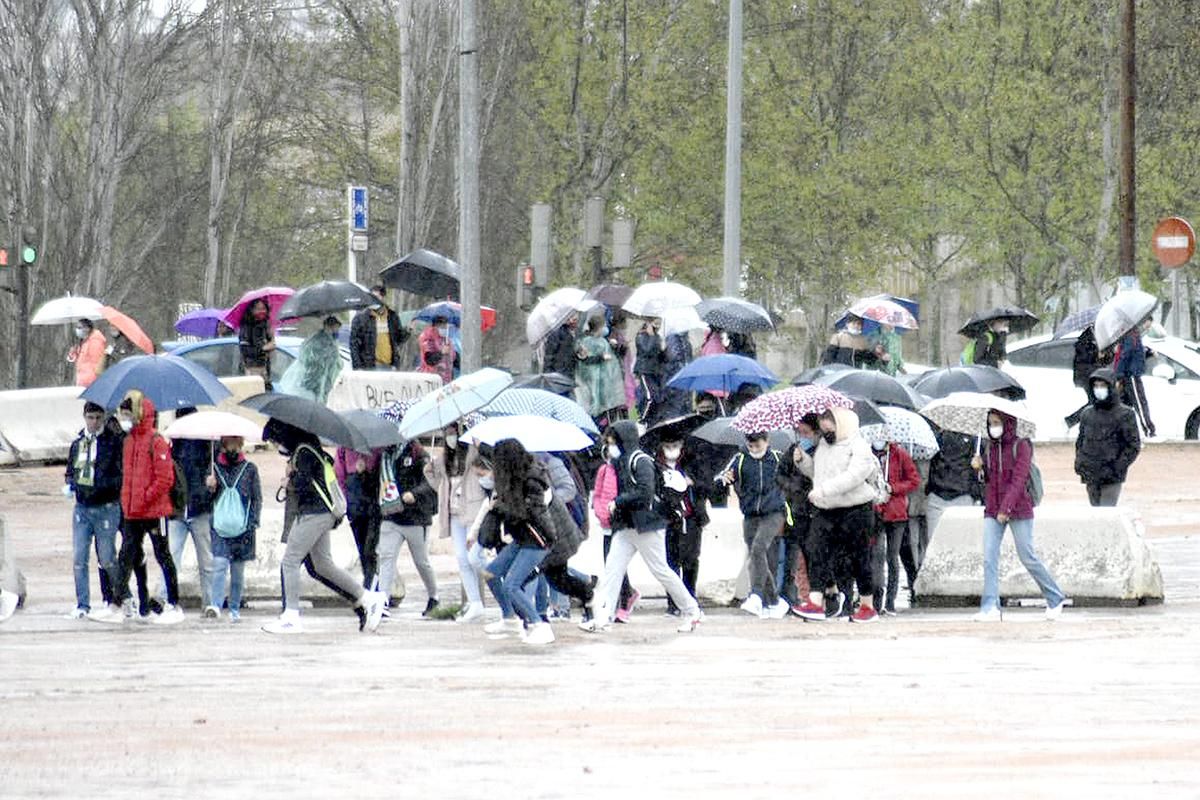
(3, 257)
(526, 276)
(29, 251)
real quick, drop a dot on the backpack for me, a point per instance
(1034, 487)
(656, 505)
(878, 481)
(331, 493)
(968, 353)
(179, 489)
(230, 515)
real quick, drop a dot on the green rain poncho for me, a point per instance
(890, 341)
(599, 375)
(313, 374)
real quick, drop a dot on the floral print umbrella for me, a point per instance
(884, 312)
(907, 429)
(966, 412)
(784, 409)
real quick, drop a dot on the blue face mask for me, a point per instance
(806, 444)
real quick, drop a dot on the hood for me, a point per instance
(1010, 426)
(1107, 376)
(847, 423)
(289, 436)
(143, 411)
(626, 433)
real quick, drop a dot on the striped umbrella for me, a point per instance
(784, 409)
(540, 403)
(1076, 322)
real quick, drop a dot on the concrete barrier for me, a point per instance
(1098, 556)
(371, 390)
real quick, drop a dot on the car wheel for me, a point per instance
(1192, 429)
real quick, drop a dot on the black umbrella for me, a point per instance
(310, 416)
(423, 272)
(376, 431)
(1019, 320)
(735, 314)
(610, 294)
(813, 374)
(671, 430)
(554, 382)
(720, 431)
(327, 297)
(972, 378)
(876, 386)
(867, 411)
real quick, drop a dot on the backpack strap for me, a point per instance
(322, 491)
(236, 480)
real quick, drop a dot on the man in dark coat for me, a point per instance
(1130, 366)
(1084, 363)
(367, 349)
(560, 348)
(1108, 441)
(952, 481)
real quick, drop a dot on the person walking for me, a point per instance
(437, 351)
(1084, 362)
(850, 347)
(624, 353)
(558, 353)
(1108, 441)
(648, 366)
(460, 496)
(93, 478)
(238, 507)
(796, 486)
(1005, 464)
(889, 350)
(314, 373)
(195, 460)
(376, 336)
(598, 375)
(990, 346)
(603, 493)
(408, 502)
(686, 515)
(902, 479)
(256, 341)
(358, 475)
(1130, 366)
(88, 354)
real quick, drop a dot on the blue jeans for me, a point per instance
(199, 529)
(1022, 530)
(99, 522)
(510, 570)
(237, 572)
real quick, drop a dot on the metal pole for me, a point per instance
(22, 319)
(733, 155)
(1128, 103)
(468, 212)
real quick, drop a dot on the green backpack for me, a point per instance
(968, 353)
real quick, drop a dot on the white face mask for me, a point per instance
(81, 333)
(853, 328)
(126, 424)
(995, 431)
(672, 453)
(1001, 328)
(451, 440)
(1101, 392)
(758, 451)
(878, 445)
(614, 452)
(443, 329)
(487, 483)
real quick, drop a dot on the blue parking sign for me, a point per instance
(358, 208)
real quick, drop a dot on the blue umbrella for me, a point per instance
(1076, 322)
(456, 399)
(724, 373)
(201, 323)
(540, 403)
(170, 382)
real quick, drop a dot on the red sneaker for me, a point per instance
(809, 612)
(864, 614)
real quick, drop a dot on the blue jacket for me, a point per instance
(1132, 359)
(105, 484)
(759, 493)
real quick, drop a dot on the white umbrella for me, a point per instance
(1121, 314)
(553, 309)
(652, 299)
(966, 412)
(64, 310)
(454, 400)
(212, 425)
(681, 320)
(536, 434)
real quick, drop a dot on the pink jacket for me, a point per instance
(603, 493)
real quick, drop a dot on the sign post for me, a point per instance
(1174, 244)
(358, 221)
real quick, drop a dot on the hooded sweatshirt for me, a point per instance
(636, 506)
(1108, 437)
(840, 471)
(1006, 466)
(147, 469)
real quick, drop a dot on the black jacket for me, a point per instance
(528, 519)
(991, 348)
(253, 335)
(105, 486)
(1086, 359)
(648, 356)
(559, 351)
(950, 473)
(308, 468)
(796, 486)
(195, 457)
(362, 339)
(1108, 437)
(408, 467)
(637, 502)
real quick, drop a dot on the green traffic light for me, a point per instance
(28, 254)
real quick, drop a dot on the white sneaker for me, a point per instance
(779, 610)
(76, 613)
(989, 615)
(8, 604)
(111, 614)
(171, 615)
(504, 626)
(690, 623)
(541, 633)
(1053, 614)
(373, 603)
(473, 612)
(288, 623)
(212, 612)
(129, 609)
(753, 605)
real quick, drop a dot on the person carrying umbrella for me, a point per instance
(990, 345)
(848, 346)
(796, 535)
(1086, 360)
(902, 480)
(686, 515)
(647, 366)
(231, 548)
(887, 346)
(1130, 365)
(376, 336)
(598, 372)
(358, 474)
(88, 354)
(1108, 441)
(677, 354)
(621, 349)
(314, 373)
(558, 353)
(195, 460)
(460, 496)
(256, 341)
(437, 351)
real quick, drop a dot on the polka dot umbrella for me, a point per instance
(784, 409)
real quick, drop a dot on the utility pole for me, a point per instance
(732, 276)
(1126, 195)
(468, 211)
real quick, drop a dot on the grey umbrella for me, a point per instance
(423, 272)
(377, 431)
(310, 416)
(735, 314)
(327, 297)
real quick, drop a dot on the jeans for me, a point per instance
(653, 547)
(887, 553)
(510, 570)
(237, 581)
(1022, 530)
(99, 523)
(466, 570)
(1106, 495)
(309, 536)
(760, 534)
(391, 538)
(200, 530)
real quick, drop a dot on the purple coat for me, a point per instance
(1006, 476)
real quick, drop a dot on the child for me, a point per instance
(686, 517)
(231, 547)
(902, 479)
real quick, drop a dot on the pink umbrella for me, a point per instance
(274, 297)
(885, 312)
(783, 410)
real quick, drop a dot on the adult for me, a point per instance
(624, 353)
(598, 371)
(716, 342)
(1130, 366)
(120, 348)
(753, 474)
(314, 373)
(376, 336)
(1108, 441)
(952, 479)
(889, 350)
(686, 513)
(358, 475)
(256, 341)
(742, 344)
(1005, 465)
(94, 479)
(408, 502)
(558, 353)
(195, 459)
(677, 354)
(647, 366)
(848, 346)
(1084, 362)
(231, 549)
(436, 349)
(87, 354)
(902, 479)
(460, 497)
(796, 533)
(990, 346)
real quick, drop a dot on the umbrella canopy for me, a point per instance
(1076, 322)
(906, 428)
(867, 412)
(536, 434)
(783, 410)
(275, 297)
(735, 314)
(201, 323)
(674, 429)
(811, 374)
(870, 325)
(65, 310)
(723, 372)
(613, 295)
(327, 297)
(878, 387)
(170, 382)
(553, 310)
(652, 299)
(423, 272)
(722, 431)
(377, 432)
(308, 415)
(126, 325)
(212, 425)
(966, 412)
(554, 382)
(681, 320)
(539, 403)
(971, 378)
(1019, 320)
(882, 311)
(1120, 314)
(461, 396)
(453, 313)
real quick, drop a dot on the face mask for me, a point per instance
(995, 431)
(1101, 392)
(706, 411)
(487, 483)
(725, 340)
(672, 453)
(451, 441)
(878, 446)
(1001, 329)
(806, 444)
(81, 333)
(614, 452)
(853, 328)
(260, 315)
(443, 329)
(829, 436)
(757, 453)
(126, 425)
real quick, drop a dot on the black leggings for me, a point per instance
(131, 557)
(840, 542)
(683, 553)
(366, 538)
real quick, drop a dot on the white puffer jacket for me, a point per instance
(841, 471)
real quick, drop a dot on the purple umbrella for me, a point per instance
(201, 322)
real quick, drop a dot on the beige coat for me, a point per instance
(841, 472)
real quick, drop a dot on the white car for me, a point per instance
(1172, 381)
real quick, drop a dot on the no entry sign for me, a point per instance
(1173, 242)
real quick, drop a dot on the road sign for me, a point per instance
(357, 197)
(1173, 242)
(359, 242)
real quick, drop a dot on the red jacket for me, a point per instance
(903, 477)
(149, 472)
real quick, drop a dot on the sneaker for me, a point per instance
(595, 621)
(690, 623)
(1053, 614)
(235, 616)
(753, 605)
(171, 615)
(504, 626)
(810, 612)
(587, 614)
(779, 610)
(373, 604)
(287, 623)
(988, 615)
(472, 612)
(864, 615)
(128, 609)
(622, 615)
(112, 614)
(633, 601)
(8, 604)
(212, 612)
(155, 606)
(429, 607)
(541, 633)
(835, 604)
(560, 615)
(79, 612)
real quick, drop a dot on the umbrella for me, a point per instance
(971, 378)
(201, 323)
(723, 372)
(1120, 314)
(735, 314)
(878, 387)
(275, 297)
(906, 428)
(882, 311)
(1018, 320)
(65, 310)
(613, 295)
(539, 403)
(1076, 322)
(459, 397)
(126, 325)
(870, 325)
(554, 382)
(309, 415)
(423, 272)
(376, 431)
(812, 374)
(784, 409)
(672, 430)
(453, 313)
(681, 320)
(722, 431)
(536, 434)
(867, 412)
(212, 425)
(169, 382)
(652, 299)
(966, 412)
(327, 297)
(553, 310)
